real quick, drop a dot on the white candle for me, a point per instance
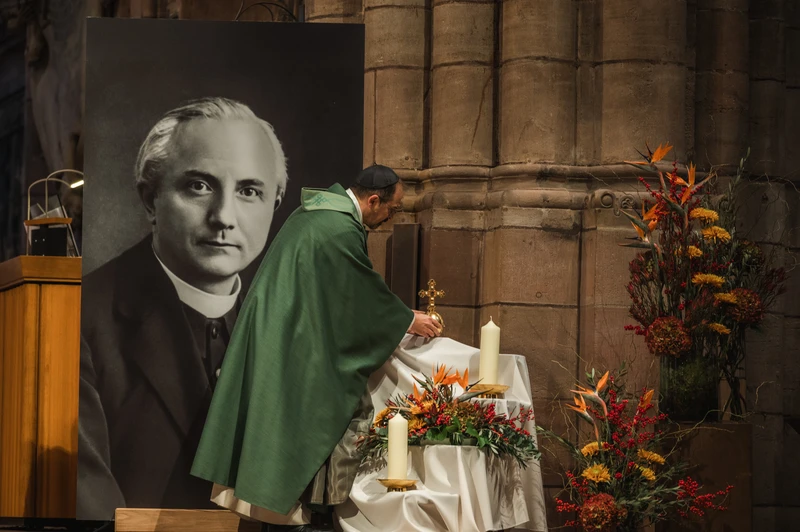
(398, 447)
(490, 352)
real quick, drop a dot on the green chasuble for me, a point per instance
(317, 321)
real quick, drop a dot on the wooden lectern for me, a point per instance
(40, 301)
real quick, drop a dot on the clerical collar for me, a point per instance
(209, 305)
(358, 207)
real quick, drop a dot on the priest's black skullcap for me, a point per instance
(376, 177)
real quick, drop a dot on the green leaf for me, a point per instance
(640, 245)
(464, 397)
(637, 221)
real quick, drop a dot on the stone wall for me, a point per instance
(510, 121)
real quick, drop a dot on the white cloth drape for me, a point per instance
(459, 489)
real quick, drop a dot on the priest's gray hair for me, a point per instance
(155, 148)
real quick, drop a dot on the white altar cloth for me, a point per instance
(457, 487)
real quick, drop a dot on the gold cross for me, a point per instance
(432, 293)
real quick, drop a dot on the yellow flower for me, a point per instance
(694, 252)
(719, 328)
(597, 473)
(716, 233)
(415, 423)
(650, 456)
(707, 278)
(705, 215)
(426, 406)
(726, 297)
(382, 415)
(647, 473)
(590, 449)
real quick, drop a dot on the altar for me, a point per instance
(462, 489)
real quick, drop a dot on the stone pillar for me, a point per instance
(533, 224)
(460, 154)
(643, 77)
(722, 82)
(462, 109)
(395, 82)
(396, 34)
(763, 220)
(348, 11)
(792, 110)
(537, 82)
(767, 85)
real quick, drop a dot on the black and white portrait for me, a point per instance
(199, 137)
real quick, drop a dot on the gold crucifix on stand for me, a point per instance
(431, 294)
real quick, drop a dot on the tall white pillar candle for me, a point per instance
(398, 447)
(490, 352)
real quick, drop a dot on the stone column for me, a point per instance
(462, 109)
(643, 73)
(396, 34)
(395, 83)
(767, 85)
(722, 82)
(763, 219)
(348, 11)
(537, 82)
(460, 154)
(533, 223)
(792, 153)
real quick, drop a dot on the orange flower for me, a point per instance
(580, 406)
(439, 376)
(419, 398)
(464, 380)
(660, 152)
(595, 394)
(644, 402)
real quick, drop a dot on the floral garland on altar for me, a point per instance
(437, 416)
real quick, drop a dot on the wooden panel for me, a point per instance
(19, 390)
(405, 263)
(151, 520)
(59, 374)
(63, 270)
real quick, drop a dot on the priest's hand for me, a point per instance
(425, 326)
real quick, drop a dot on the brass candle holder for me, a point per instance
(490, 391)
(397, 484)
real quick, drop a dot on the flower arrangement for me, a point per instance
(436, 415)
(697, 286)
(622, 481)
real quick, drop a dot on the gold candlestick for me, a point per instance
(431, 294)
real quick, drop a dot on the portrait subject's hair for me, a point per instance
(155, 148)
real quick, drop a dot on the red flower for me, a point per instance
(748, 308)
(600, 513)
(667, 336)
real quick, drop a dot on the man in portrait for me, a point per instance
(156, 319)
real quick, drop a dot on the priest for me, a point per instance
(279, 438)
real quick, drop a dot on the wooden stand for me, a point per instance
(155, 520)
(39, 377)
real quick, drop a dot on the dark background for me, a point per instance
(307, 80)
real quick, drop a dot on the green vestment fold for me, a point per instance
(317, 321)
